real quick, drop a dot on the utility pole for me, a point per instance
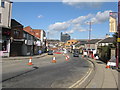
(118, 39)
(90, 23)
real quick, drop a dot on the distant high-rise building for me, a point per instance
(65, 37)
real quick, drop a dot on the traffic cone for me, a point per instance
(82, 56)
(108, 65)
(66, 58)
(30, 61)
(54, 60)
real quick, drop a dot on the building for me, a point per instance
(5, 13)
(65, 37)
(52, 43)
(5, 26)
(92, 44)
(40, 34)
(91, 47)
(16, 38)
(106, 48)
(69, 43)
(21, 42)
(80, 45)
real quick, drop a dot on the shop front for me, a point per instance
(5, 43)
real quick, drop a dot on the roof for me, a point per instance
(80, 43)
(82, 40)
(34, 32)
(107, 40)
(15, 23)
(93, 41)
(37, 33)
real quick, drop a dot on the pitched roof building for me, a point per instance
(34, 32)
(107, 40)
(93, 41)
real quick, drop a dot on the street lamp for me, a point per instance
(45, 43)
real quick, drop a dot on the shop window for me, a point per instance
(4, 46)
(6, 32)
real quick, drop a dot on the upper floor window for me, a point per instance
(16, 33)
(3, 4)
(25, 35)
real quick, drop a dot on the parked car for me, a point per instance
(50, 52)
(75, 54)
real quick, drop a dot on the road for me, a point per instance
(44, 74)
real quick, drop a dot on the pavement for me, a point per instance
(101, 77)
(23, 57)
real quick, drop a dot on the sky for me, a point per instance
(66, 17)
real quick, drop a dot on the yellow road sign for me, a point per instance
(118, 39)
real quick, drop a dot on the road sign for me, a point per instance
(118, 39)
(113, 22)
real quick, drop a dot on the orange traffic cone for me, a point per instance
(54, 60)
(108, 65)
(30, 61)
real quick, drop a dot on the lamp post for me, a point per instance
(45, 43)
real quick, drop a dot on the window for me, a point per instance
(16, 33)
(3, 4)
(4, 46)
(25, 35)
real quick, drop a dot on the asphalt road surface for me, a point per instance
(44, 74)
